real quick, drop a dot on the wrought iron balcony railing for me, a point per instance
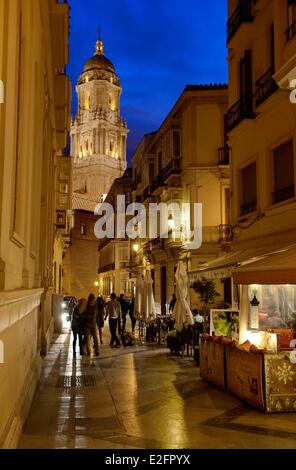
(223, 155)
(108, 267)
(173, 168)
(265, 86)
(291, 31)
(242, 14)
(283, 194)
(225, 233)
(248, 208)
(242, 109)
(146, 193)
(156, 183)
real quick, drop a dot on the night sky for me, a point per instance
(157, 47)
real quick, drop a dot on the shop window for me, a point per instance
(283, 172)
(83, 229)
(276, 306)
(249, 189)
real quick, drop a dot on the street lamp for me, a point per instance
(254, 316)
(136, 247)
(96, 284)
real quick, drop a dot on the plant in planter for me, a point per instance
(173, 341)
(207, 292)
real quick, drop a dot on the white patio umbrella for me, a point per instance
(139, 295)
(182, 313)
(148, 303)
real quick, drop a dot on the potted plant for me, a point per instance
(207, 292)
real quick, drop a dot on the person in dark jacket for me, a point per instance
(113, 311)
(172, 304)
(101, 316)
(132, 314)
(91, 324)
(124, 312)
(78, 325)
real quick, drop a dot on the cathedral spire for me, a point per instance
(99, 44)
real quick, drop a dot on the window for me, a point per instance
(125, 285)
(151, 171)
(111, 146)
(277, 304)
(83, 229)
(291, 31)
(159, 162)
(124, 254)
(249, 189)
(176, 144)
(246, 75)
(87, 100)
(272, 48)
(283, 172)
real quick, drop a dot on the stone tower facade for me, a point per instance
(98, 133)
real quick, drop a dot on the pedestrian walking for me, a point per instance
(101, 316)
(91, 324)
(172, 303)
(132, 314)
(78, 325)
(113, 311)
(124, 312)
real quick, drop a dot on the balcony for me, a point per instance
(105, 269)
(173, 168)
(125, 264)
(242, 14)
(223, 155)
(291, 31)
(265, 87)
(157, 244)
(225, 233)
(246, 209)
(146, 193)
(156, 183)
(242, 109)
(283, 194)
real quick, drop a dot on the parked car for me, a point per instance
(69, 305)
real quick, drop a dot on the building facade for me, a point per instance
(261, 126)
(114, 272)
(34, 121)
(180, 164)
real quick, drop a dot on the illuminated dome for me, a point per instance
(99, 62)
(99, 67)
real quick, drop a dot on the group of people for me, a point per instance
(89, 317)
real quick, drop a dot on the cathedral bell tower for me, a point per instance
(98, 133)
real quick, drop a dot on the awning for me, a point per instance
(276, 268)
(238, 263)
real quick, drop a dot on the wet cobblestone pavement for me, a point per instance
(141, 397)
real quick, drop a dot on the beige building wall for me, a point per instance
(273, 124)
(33, 125)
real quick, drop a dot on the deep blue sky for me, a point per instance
(157, 47)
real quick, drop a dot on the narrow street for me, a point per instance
(141, 397)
